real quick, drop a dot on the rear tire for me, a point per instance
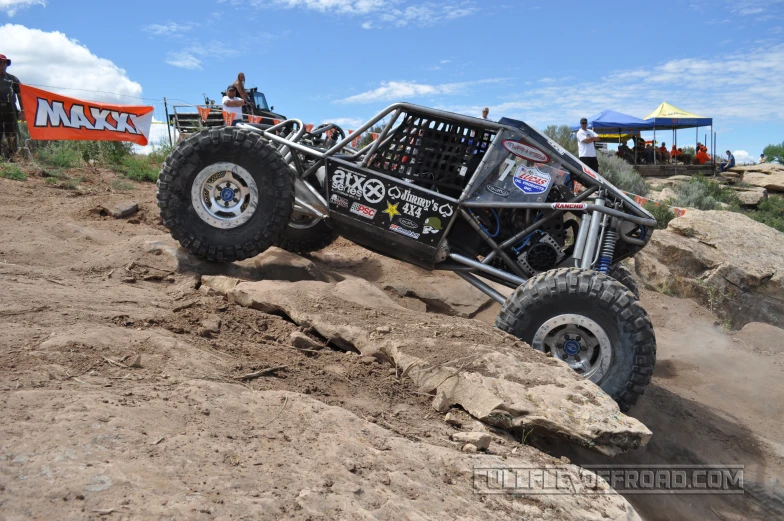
(592, 322)
(620, 273)
(299, 237)
(225, 194)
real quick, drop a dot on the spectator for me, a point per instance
(664, 155)
(9, 94)
(701, 157)
(585, 143)
(649, 154)
(675, 154)
(233, 104)
(729, 163)
(239, 84)
(485, 112)
(762, 158)
(625, 153)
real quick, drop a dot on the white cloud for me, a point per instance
(63, 64)
(158, 136)
(12, 6)
(401, 90)
(396, 13)
(183, 60)
(345, 123)
(740, 85)
(168, 28)
(741, 156)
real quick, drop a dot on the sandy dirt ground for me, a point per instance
(110, 353)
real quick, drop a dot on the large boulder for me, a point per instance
(491, 375)
(729, 262)
(264, 455)
(751, 197)
(766, 175)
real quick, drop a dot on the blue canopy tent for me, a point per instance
(610, 121)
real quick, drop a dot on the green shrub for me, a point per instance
(770, 212)
(59, 154)
(138, 168)
(10, 171)
(718, 191)
(621, 174)
(694, 195)
(121, 185)
(662, 213)
(160, 151)
(562, 135)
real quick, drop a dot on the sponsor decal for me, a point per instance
(414, 205)
(531, 180)
(432, 226)
(52, 116)
(339, 201)
(525, 151)
(402, 231)
(589, 172)
(569, 206)
(392, 210)
(497, 190)
(363, 211)
(408, 223)
(357, 186)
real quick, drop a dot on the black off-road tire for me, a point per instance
(622, 274)
(274, 179)
(306, 240)
(601, 299)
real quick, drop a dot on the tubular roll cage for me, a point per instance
(288, 134)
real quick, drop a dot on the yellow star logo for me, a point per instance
(391, 210)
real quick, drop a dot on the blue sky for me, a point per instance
(546, 62)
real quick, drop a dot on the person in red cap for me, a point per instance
(9, 93)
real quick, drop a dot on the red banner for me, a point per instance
(275, 121)
(52, 116)
(308, 127)
(254, 119)
(204, 112)
(228, 118)
(374, 136)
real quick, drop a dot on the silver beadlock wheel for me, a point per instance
(224, 195)
(578, 341)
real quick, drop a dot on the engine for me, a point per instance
(543, 249)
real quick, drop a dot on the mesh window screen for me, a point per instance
(433, 152)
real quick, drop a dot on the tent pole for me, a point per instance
(654, 144)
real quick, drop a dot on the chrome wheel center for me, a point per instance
(578, 341)
(224, 195)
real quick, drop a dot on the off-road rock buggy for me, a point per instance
(492, 201)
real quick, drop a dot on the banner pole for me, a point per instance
(168, 127)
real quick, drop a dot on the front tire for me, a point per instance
(590, 321)
(620, 273)
(225, 194)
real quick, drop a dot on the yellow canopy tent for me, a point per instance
(669, 116)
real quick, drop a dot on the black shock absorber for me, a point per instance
(607, 252)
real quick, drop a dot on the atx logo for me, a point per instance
(358, 186)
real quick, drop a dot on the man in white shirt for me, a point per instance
(585, 144)
(485, 112)
(232, 103)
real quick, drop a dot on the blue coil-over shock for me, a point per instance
(607, 252)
